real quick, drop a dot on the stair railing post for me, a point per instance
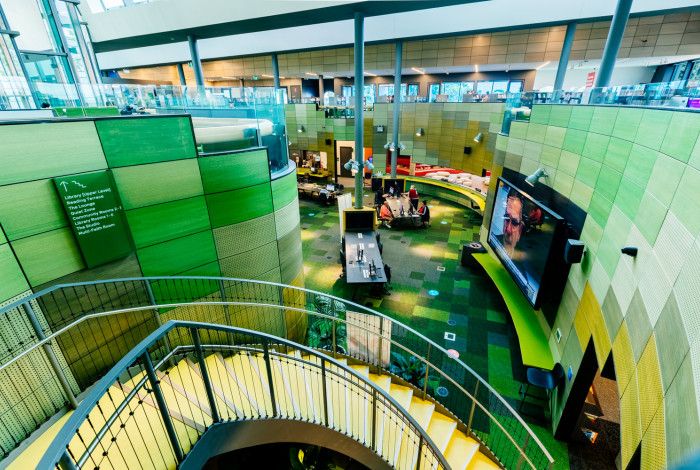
(325, 391)
(420, 450)
(471, 412)
(333, 333)
(522, 450)
(50, 355)
(159, 322)
(381, 346)
(205, 375)
(427, 372)
(162, 407)
(374, 420)
(66, 462)
(268, 367)
(222, 293)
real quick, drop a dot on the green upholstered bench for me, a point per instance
(534, 346)
(448, 191)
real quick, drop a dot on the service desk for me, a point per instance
(357, 271)
(401, 209)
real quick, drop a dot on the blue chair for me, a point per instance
(547, 380)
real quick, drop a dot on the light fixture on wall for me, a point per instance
(390, 146)
(630, 251)
(301, 129)
(536, 176)
(420, 132)
(353, 165)
(478, 137)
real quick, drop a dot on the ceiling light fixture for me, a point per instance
(476, 68)
(311, 74)
(267, 76)
(536, 176)
(420, 71)
(420, 132)
(543, 65)
(478, 137)
(370, 74)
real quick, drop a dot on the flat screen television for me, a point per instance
(523, 233)
(359, 221)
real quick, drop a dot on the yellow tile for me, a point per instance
(654, 443)
(623, 357)
(630, 423)
(649, 375)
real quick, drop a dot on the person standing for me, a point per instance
(413, 196)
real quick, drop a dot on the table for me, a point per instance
(325, 195)
(395, 204)
(357, 272)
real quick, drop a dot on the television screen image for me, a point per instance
(521, 233)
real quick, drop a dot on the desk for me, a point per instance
(318, 191)
(318, 174)
(358, 272)
(411, 220)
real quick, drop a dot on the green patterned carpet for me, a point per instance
(466, 299)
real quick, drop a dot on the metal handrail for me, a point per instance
(58, 450)
(481, 382)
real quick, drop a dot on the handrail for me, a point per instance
(481, 383)
(57, 450)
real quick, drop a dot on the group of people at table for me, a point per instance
(395, 206)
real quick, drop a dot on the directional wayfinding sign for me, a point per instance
(96, 216)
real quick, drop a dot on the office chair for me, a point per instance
(547, 380)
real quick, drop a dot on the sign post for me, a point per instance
(96, 216)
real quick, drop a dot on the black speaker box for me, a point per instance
(573, 251)
(467, 150)
(468, 250)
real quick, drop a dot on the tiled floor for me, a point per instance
(466, 302)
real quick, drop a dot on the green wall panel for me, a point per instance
(682, 135)
(291, 258)
(162, 222)
(48, 256)
(12, 281)
(134, 141)
(284, 190)
(652, 128)
(237, 238)
(30, 208)
(179, 255)
(156, 183)
(232, 207)
(36, 151)
(250, 264)
(234, 171)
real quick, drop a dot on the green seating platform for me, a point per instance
(534, 346)
(452, 192)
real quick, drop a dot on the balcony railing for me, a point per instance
(91, 326)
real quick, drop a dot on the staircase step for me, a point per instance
(401, 394)
(422, 411)
(440, 430)
(362, 370)
(383, 381)
(481, 462)
(240, 367)
(460, 450)
(231, 401)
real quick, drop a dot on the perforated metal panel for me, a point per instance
(674, 239)
(653, 286)
(623, 357)
(250, 264)
(649, 377)
(687, 291)
(654, 443)
(287, 218)
(630, 423)
(237, 238)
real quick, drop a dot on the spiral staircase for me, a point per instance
(161, 404)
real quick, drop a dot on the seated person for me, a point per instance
(378, 198)
(424, 212)
(385, 214)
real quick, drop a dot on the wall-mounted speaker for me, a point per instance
(467, 150)
(328, 142)
(573, 251)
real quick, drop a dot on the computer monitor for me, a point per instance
(359, 220)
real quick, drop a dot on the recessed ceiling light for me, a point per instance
(370, 74)
(543, 65)
(420, 71)
(476, 68)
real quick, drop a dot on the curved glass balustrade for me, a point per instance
(91, 326)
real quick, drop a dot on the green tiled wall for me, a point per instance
(449, 127)
(227, 172)
(636, 174)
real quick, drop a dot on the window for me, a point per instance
(695, 71)
(515, 86)
(452, 90)
(346, 91)
(370, 93)
(14, 90)
(484, 88)
(433, 92)
(500, 86)
(32, 19)
(413, 89)
(386, 89)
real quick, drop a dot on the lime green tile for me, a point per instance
(650, 217)
(588, 171)
(686, 202)
(694, 160)
(618, 153)
(627, 123)
(162, 222)
(608, 254)
(560, 115)
(12, 281)
(233, 171)
(599, 209)
(652, 128)
(536, 132)
(581, 117)
(156, 183)
(574, 141)
(640, 165)
(555, 136)
(665, 178)
(608, 183)
(563, 184)
(681, 136)
(604, 118)
(581, 194)
(568, 163)
(30, 208)
(540, 113)
(518, 130)
(284, 190)
(231, 207)
(628, 198)
(596, 146)
(48, 256)
(431, 313)
(550, 156)
(179, 255)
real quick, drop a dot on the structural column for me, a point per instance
(612, 45)
(359, 105)
(275, 71)
(564, 58)
(397, 107)
(196, 63)
(320, 90)
(181, 74)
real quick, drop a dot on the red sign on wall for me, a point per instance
(590, 79)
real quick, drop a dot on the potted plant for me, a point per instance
(320, 334)
(412, 370)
